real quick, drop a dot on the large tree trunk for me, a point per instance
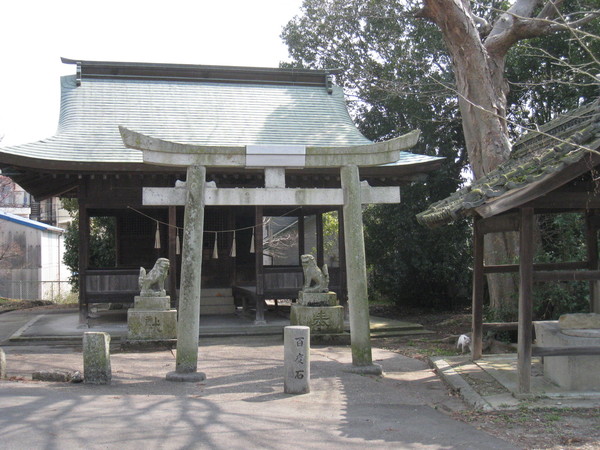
(482, 90)
(479, 82)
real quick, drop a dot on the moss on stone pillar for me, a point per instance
(188, 324)
(356, 270)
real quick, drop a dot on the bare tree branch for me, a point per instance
(523, 129)
(550, 10)
(483, 26)
(526, 28)
(575, 24)
(521, 8)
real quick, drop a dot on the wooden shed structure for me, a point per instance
(196, 105)
(553, 170)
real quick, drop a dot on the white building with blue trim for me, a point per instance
(31, 259)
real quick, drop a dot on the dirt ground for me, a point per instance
(528, 427)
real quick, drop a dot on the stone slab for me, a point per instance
(592, 333)
(152, 325)
(152, 303)
(579, 321)
(186, 377)
(574, 373)
(57, 375)
(317, 298)
(320, 319)
(96, 358)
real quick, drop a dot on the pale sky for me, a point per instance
(34, 34)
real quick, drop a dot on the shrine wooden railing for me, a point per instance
(284, 282)
(111, 285)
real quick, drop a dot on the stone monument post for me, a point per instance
(296, 343)
(188, 323)
(356, 270)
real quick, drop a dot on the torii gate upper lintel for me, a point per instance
(274, 159)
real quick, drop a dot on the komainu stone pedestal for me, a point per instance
(151, 323)
(573, 373)
(326, 321)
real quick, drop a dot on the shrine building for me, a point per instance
(282, 119)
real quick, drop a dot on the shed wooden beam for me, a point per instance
(514, 268)
(519, 197)
(500, 224)
(567, 200)
(567, 275)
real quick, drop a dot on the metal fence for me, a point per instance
(56, 291)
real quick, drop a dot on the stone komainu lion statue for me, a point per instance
(152, 284)
(312, 274)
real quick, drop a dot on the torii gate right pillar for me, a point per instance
(356, 270)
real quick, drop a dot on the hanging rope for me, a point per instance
(232, 230)
(157, 236)
(215, 253)
(233, 253)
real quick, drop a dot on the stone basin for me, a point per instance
(573, 373)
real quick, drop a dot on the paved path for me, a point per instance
(241, 405)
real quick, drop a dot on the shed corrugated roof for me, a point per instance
(537, 157)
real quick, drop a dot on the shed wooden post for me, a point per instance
(478, 284)
(258, 253)
(84, 252)
(320, 239)
(525, 300)
(301, 237)
(173, 255)
(342, 256)
(591, 234)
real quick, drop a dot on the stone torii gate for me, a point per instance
(273, 159)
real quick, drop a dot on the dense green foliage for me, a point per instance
(553, 74)
(381, 51)
(562, 239)
(102, 242)
(398, 76)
